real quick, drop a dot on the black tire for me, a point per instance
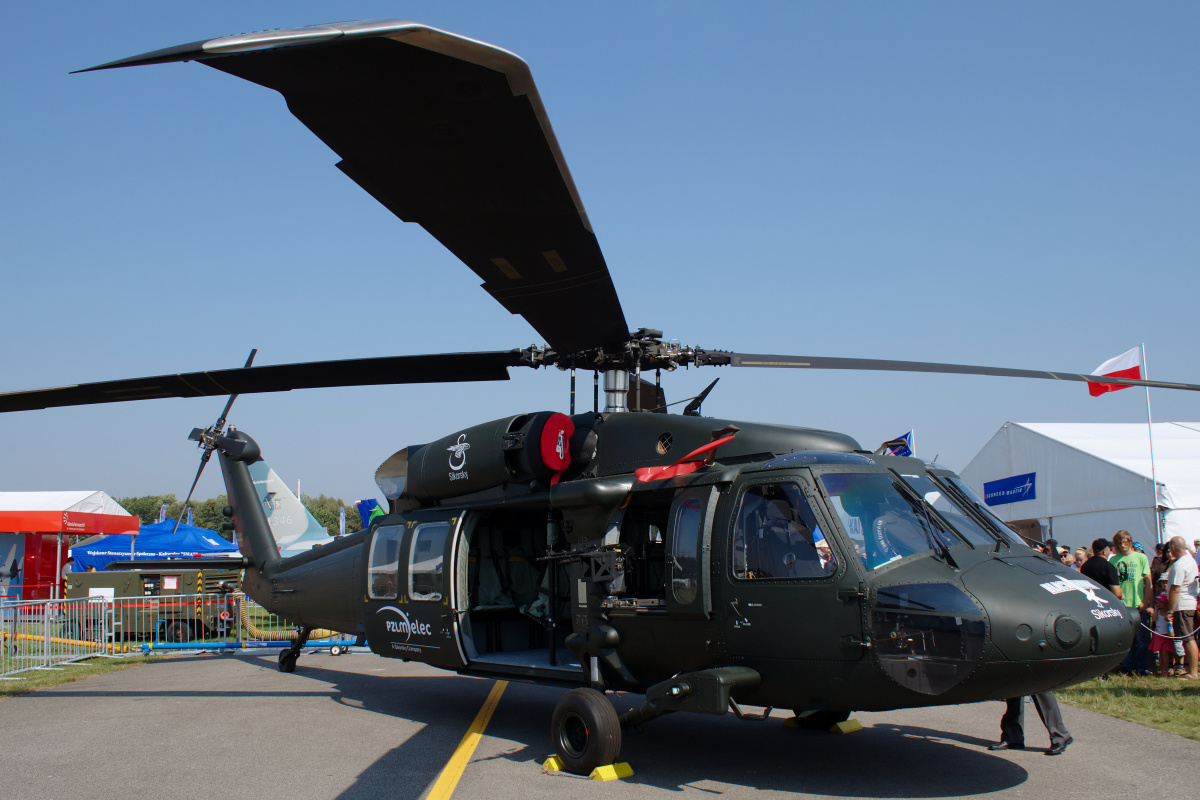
(178, 632)
(287, 661)
(821, 720)
(336, 650)
(585, 731)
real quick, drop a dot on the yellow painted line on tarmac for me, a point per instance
(448, 780)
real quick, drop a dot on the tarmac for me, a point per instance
(358, 726)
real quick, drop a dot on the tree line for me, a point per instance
(207, 513)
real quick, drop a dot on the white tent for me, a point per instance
(88, 502)
(1084, 481)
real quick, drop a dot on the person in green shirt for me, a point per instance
(1133, 568)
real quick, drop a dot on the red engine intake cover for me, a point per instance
(555, 444)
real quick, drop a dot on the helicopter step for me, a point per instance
(708, 691)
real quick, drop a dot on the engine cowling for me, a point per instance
(517, 449)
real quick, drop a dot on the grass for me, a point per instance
(35, 679)
(1168, 704)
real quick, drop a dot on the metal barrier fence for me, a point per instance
(41, 634)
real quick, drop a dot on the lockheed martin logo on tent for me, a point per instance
(1010, 490)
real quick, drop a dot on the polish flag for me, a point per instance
(1126, 365)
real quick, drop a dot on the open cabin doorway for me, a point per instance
(513, 603)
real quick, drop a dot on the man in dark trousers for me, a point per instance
(1012, 724)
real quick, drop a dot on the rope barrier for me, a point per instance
(1191, 635)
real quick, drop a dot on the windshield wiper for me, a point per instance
(935, 541)
(980, 513)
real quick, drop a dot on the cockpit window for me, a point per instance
(885, 522)
(777, 536)
(998, 524)
(945, 505)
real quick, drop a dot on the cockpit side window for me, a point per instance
(384, 563)
(776, 535)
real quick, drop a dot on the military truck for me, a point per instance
(165, 605)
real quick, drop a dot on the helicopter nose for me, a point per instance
(1009, 628)
(1054, 621)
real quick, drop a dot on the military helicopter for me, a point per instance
(706, 564)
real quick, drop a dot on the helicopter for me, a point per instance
(707, 565)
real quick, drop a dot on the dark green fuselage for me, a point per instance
(601, 579)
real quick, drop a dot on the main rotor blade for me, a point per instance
(449, 133)
(874, 364)
(447, 368)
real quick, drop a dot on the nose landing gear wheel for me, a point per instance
(585, 730)
(287, 661)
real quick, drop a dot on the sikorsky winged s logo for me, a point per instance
(1075, 585)
(405, 625)
(459, 451)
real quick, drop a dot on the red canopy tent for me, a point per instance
(33, 531)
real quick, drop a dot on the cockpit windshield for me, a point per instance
(944, 504)
(885, 522)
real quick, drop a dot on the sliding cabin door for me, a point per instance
(410, 590)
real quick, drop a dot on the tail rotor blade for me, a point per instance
(220, 426)
(210, 439)
(203, 460)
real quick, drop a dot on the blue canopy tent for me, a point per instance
(153, 542)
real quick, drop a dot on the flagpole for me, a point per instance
(1150, 433)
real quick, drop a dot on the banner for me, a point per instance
(1010, 490)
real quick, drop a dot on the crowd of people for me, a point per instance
(1163, 589)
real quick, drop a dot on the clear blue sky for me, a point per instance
(1010, 184)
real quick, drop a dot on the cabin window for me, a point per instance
(776, 535)
(425, 561)
(384, 563)
(685, 549)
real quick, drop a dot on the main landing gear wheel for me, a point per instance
(287, 660)
(821, 720)
(585, 730)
